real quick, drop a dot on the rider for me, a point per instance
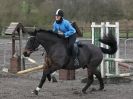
(64, 27)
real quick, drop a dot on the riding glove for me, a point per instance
(26, 54)
(60, 33)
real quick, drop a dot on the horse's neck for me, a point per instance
(51, 46)
(51, 41)
(50, 36)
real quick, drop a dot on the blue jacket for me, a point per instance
(64, 27)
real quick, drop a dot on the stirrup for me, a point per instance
(76, 62)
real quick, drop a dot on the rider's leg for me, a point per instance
(71, 41)
(75, 52)
(74, 49)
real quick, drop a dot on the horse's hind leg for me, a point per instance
(89, 82)
(98, 75)
(49, 77)
(52, 76)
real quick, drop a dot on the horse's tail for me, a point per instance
(109, 40)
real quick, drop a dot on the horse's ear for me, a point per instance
(35, 30)
(32, 33)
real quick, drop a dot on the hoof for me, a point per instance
(76, 92)
(35, 92)
(101, 88)
(93, 89)
(49, 77)
(54, 79)
(84, 92)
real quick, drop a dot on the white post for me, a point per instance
(20, 47)
(102, 26)
(5, 54)
(92, 30)
(106, 56)
(116, 26)
(117, 53)
(105, 29)
(102, 68)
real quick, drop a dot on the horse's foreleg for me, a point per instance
(46, 73)
(98, 75)
(89, 82)
(40, 84)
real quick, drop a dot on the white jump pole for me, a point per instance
(119, 60)
(120, 75)
(30, 70)
(125, 65)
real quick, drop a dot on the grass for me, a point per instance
(122, 34)
(87, 34)
(125, 35)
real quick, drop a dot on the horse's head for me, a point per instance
(31, 44)
(46, 38)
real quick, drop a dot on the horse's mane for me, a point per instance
(51, 32)
(46, 31)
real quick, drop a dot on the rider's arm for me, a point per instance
(70, 31)
(55, 27)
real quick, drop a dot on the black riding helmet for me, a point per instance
(59, 12)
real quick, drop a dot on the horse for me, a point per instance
(57, 57)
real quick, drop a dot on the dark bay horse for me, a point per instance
(90, 56)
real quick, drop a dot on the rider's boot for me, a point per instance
(75, 55)
(76, 62)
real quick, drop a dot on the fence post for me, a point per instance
(15, 30)
(111, 67)
(98, 32)
(102, 68)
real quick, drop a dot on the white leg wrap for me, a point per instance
(54, 74)
(37, 88)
